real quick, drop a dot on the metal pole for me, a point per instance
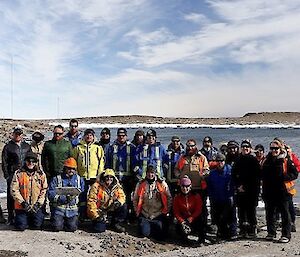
(58, 108)
(12, 86)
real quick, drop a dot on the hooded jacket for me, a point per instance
(101, 198)
(90, 159)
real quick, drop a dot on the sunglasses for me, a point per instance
(32, 160)
(122, 135)
(245, 146)
(183, 186)
(274, 148)
(190, 145)
(58, 133)
(109, 177)
(73, 126)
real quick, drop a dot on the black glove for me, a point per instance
(26, 206)
(186, 227)
(70, 198)
(35, 208)
(117, 204)
(62, 199)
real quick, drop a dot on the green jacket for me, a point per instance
(53, 156)
(90, 159)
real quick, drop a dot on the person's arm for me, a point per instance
(176, 209)
(43, 192)
(291, 173)
(92, 210)
(198, 208)
(15, 189)
(5, 162)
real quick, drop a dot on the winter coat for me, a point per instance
(74, 140)
(209, 154)
(55, 152)
(29, 187)
(174, 156)
(13, 155)
(246, 172)
(195, 167)
(61, 204)
(152, 200)
(273, 177)
(122, 159)
(187, 207)
(220, 185)
(155, 155)
(90, 159)
(102, 199)
(38, 149)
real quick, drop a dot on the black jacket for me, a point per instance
(273, 177)
(246, 172)
(13, 156)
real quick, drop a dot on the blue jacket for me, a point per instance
(210, 154)
(173, 158)
(74, 141)
(155, 155)
(220, 186)
(61, 205)
(121, 158)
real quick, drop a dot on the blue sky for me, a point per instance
(173, 58)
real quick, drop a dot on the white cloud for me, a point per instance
(197, 18)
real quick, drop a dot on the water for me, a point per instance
(257, 135)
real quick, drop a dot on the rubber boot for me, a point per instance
(2, 219)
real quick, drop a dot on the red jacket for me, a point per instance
(295, 160)
(187, 207)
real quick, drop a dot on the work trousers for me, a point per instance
(156, 228)
(26, 220)
(69, 224)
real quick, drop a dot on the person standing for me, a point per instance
(220, 191)
(65, 206)
(104, 141)
(28, 189)
(73, 135)
(13, 155)
(151, 153)
(175, 150)
(278, 174)
(246, 177)
(152, 202)
(55, 152)
(37, 145)
(208, 150)
(139, 138)
(90, 160)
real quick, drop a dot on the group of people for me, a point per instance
(113, 183)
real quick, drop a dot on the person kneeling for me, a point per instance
(152, 202)
(187, 208)
(28, 188)
(106, 203)
(64, 202)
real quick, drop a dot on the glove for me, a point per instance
(186, 228)
(117, 204)
(62, 199)
(26, 206)
(35, 208)
(70, 198)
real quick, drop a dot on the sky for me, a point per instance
(170, 58)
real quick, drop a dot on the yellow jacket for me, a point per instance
(28, 187)
(90, 159)
(101, 198)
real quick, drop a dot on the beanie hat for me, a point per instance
(37, 136)
(185, 181)
(105, 131)
(220, 157)
(246, 142)
(233, 144)
(139, 133)
(151, 132)
(207, 139)
(89, 131)
(122, 131)
(31, 156)
(70, 163)
(278, 143)
(175, 138)
(259, 147)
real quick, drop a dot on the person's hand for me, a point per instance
(62, 199)
(117, 204)
(35, 208)
(26, 206)
(241, 189)
(70, 198)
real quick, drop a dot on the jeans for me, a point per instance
(157, 227)
(24, 219)
(60, 222)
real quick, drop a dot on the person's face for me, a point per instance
(151, 140)
(207, 144)
(73, 128)
(140, 139)
(223, 150)
(30, 163)
(232, 150)
(69, 171)
(122, 138)
(17, 137)
(105, 136)
(58, 134)
(274, 149)
(191, 147)
(89, 138)
(185, 189)
(246, 149)
(108, 180)
(220, 164)
(176, 144)
(150, 174)
(259, 153)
